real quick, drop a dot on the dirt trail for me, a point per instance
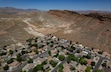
(31, 29)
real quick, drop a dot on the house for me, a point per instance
(61, 41)
(65, 51)
(46, 47)
(89, 49)
(32, 54)
(73, 63)
(85, 52)
(28, 67)
(95, 51)
(5, 57)
(100, 67)
(39, 60)
(46, 66)
(40, 50)
(40, 45)
(61, 53)
(81, 68)
(81, 46)
(95, 59)
(65, 45)
(105, 54)
(49, 58)
(59, 48)
(109, 64)
(88, 61)
(54, 38)
(13, 65)
(53, 52)
(78, 55)
(14, 56)
(10, 47)
(33, 48)
(55, 59)
(66, 68)
(44, 55)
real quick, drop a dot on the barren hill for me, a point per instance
(89, 30)
(93, 30)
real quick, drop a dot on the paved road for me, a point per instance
(23, 64)
(55, 69)
(39, 55)
(98, 64)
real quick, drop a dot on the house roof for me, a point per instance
(73, 63)
(15, 63)
(53, 51)
(33, 48)
(39, 49)
(39, 59)
(31, 54)
(66, 68)
(46, 66)
(28, 66)
(81, 67)
(88, 62)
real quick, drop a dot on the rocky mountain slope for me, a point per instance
(91, 30)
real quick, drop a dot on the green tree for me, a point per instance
(73, 47)
(19, 58)
(39, 67)
(104, 64)
(53, 63)
(29, 40)
(75, 58)
(72, 57)
(34, 69)
(49, 52)
(23, 52)
(11, 52)
(88, 69)
(100, 52)
(56, 55)
(6, 67)
(10, 61)
(68, 60)
(60, 68)
(0, 63)
(82, 61)
(61, 57)
(30, 60)
(88, 56)
(93, 63)
(3, 53)
(44, 62)
(35, 45)
(36, 51)
(72, 68)
(78, 51)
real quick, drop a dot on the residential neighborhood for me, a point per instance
(51, 54)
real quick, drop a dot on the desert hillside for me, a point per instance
(93, 30)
